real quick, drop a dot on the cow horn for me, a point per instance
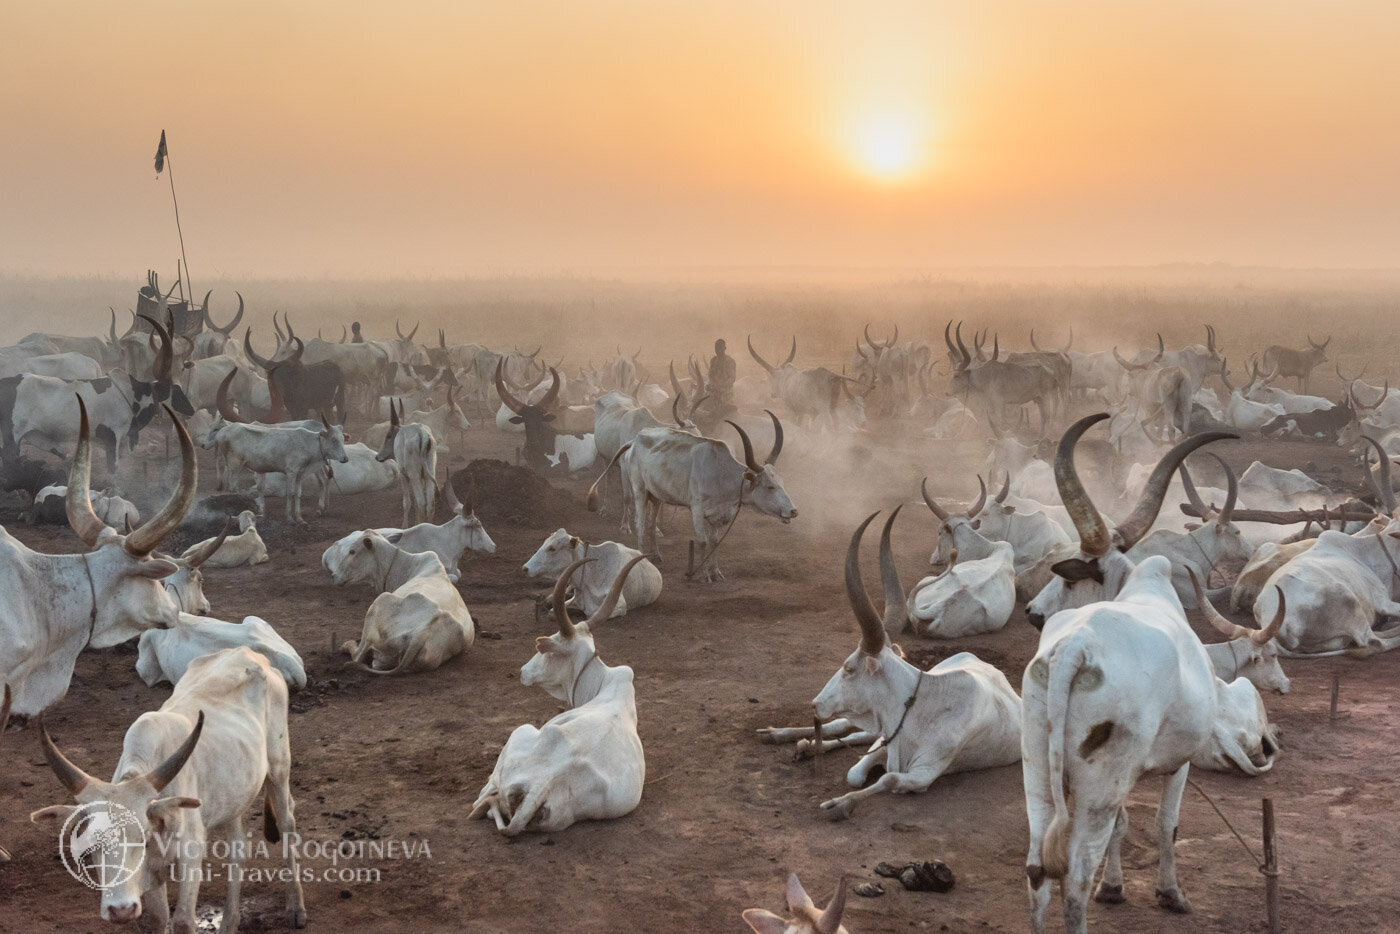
(112, 328)
(453, 502)
(1005, 488)
(1225, 378)
(872, 630)
(1133, 528)
(1190, 487)
(221, 403)
(962, 348)
(1321, 346)
(695, 405)
(165, 357)
(150, 534)
(1261, 636)
(251, 354)
(1125, 364)
(344, 334)
(1232, 492)
(860, 350)
(1070, 342)
(551, 397)
(1380, 484)
(393, 414)
(761, 362)
(78, 501)
(1213, 616)
(1034, 345)
(276, 326)
(561, 612)
(1093, 533)
(1161, 349)
(398, 329)
(1350, 379)
(947, 337)
(605, 609)
(225, 331)
(748, 448)
(675, 383)
(976, 507)
(442, 340)
(207, 552)
(676, 413)
(870, 340)
(287, 320)
(414, 331)
(996, 347)
(512, 403)
(777, 439)
(933, 506)
(165, 773)
(791, 353)
(295, 358)
(69, 775)
(895, 618)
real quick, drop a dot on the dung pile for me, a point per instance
(514, 495)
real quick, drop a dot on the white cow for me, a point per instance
(1267, 558)
(1117, 689)
(181, 793)
(1250, 653)
(961, 715)
(976, 591)
(417, 622)
(414, 449)
(448, 541)
(573, 453)
(186, 585)
(1242, 739)
(56, 605)
(265, 449)
(807, 918)
(165, 654)
(245, 548)
(111, 509)
(592, 583)
(585, 763)
(439, 420)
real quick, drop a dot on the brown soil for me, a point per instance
(723, 817)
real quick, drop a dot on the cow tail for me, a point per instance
(1064, 666)
(593, 501)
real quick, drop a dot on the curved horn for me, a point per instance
(225, 331)
(1034, 345)
(1225, 378)
(860, 349)
(248, 351)
(895, 618)
(929, 501)
(761, 362)
(962, 348)
(343, 334)
(512, 403)
(1093, 533)
(1125, 364)
(1213, 616)
(398, 329)
(777, 439)
(414, 331)
(1190, 488)
(112, 328)
(221, 403)
(1350, 379)
(1381, 484)
(605, 609)
(791, 353)
(78, 501)
(287, 320)
(69, 775)
(1321, 346)
(165, 357)
(281, 337)
(207, 552)
(976, 507)
(1070, 342)
(295, 358)
(442, 340)
(551, 397)
(1135, 526)
(676, 412)
(695, 405)
(1232, 492)
(870, 340)
(748, 448)
(675, 383)
(561, 613)
(1005, 488)
(1260, 636)
(1161, 349)
(872, 629)
(144, 540)
(948, 338)
(165, 773)
(996, 347)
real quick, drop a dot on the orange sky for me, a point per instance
(446, 138)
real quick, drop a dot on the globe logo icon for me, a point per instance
(102, 844)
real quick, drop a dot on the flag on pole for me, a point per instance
(160, 154)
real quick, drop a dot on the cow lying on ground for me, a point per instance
(591, 585)
(417, 622)
(448, 541)
(585, 763)
(165, 654)
(182, 791)
(245, 548)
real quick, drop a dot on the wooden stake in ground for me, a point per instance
(1336, 690)
(1270, 869)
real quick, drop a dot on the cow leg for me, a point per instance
(1169, 894)
(233, 834)
(190, 870)
(429, 495)
(1040, 808)
(262, 495)
(1110, 890)
(791, 734)
(858, 773)
(406, 488)
(915, 780)
(1092, 828)
(279, 811)
(155, 906)
(293, 496)
(708, 537)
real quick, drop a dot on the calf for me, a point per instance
(180, 793)
(245, 548)
(591, 589)
(976, 591)
(417, 622)
(961, 715)
(414, 449)
(165, 654)
(585, 763)
(448, 541)
(294, 452)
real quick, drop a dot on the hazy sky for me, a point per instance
(327, 137)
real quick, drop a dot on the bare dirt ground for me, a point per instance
(723, 817)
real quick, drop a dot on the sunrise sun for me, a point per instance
(888, 146)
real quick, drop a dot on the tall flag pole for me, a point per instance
(163, 154)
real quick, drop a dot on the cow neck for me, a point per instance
(908, 706)
(579, 677)
(384, 584)
(1235, 655)
(1210, 565)
(92, 590)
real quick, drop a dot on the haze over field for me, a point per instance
(320, 139)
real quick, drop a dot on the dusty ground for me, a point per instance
(723, 817)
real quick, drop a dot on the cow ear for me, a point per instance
(1077, 569)
(764, 921)
(750, 477)
(157, 569)
(395, 538)
(181, 402)
(368, 543)
(165, 809)
(55, 812)
(517, 420)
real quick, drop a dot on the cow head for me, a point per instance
(768, 367)
(186, 585)
(952, 526)
(1254, 651)
(555, 554)
(386, 450)
(135, 797)
(1241, 737)
(123, 574)
(331, 439)
(357, 558)
(762, 487)
(1218, 538)
(1099, 570)
(806, 919)
(560, 658)
(863, 682)
(535, 417)
(464, 516)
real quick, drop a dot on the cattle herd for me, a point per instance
(1088, 457)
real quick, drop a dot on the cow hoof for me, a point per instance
(837, 809)
(1174, 901)
(296, 918)
(805, 749)
(1109, 894)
